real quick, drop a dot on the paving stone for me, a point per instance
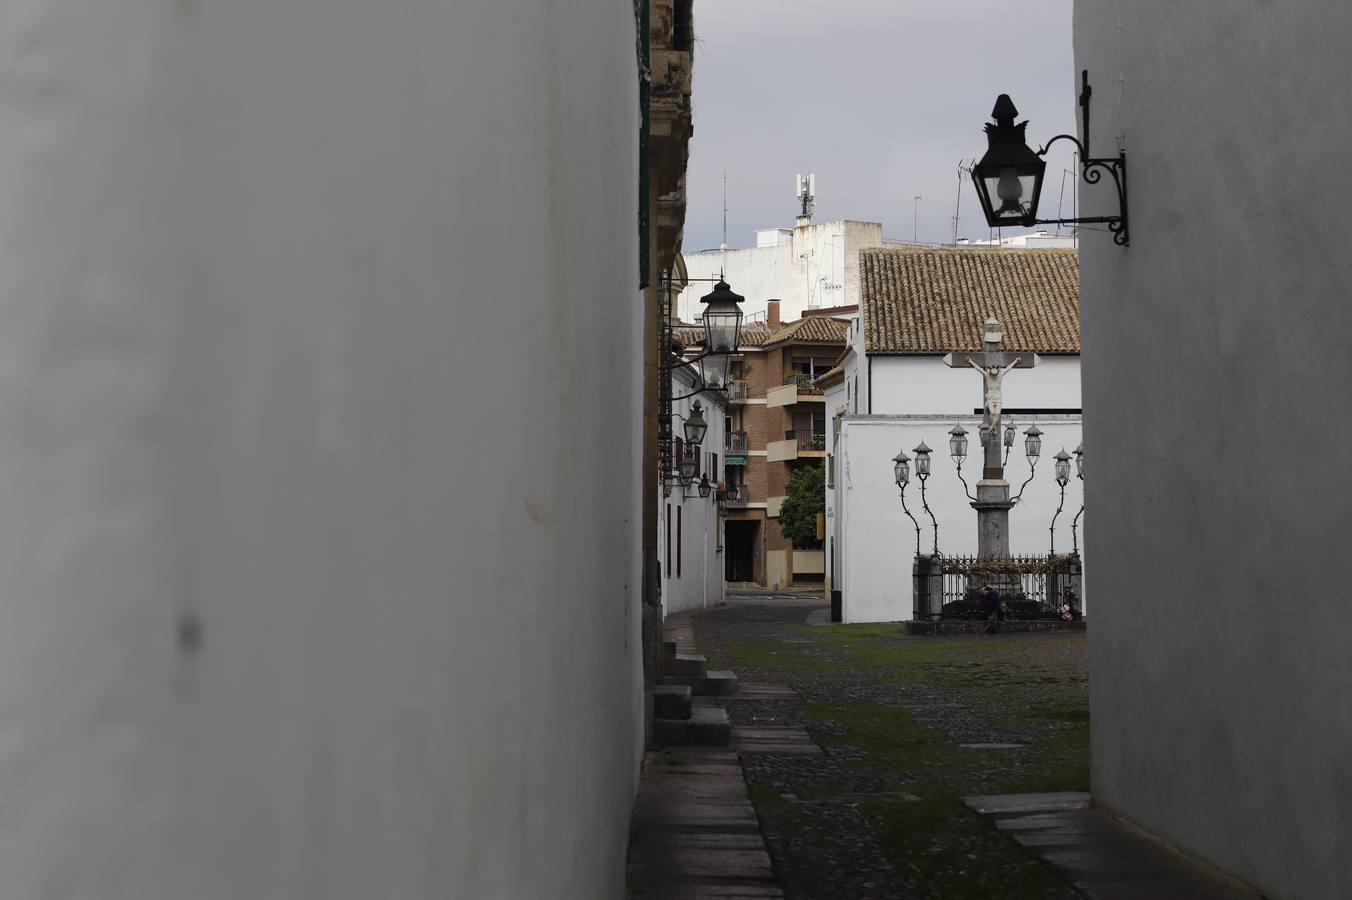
(993, 746)
(1011, 803)
(720, 684)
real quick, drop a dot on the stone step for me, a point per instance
(689, 665)
(720, 684)
(668, 657)
(696, 685)
(707, 726)
(672, 701)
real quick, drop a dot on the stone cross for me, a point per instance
(992, 502)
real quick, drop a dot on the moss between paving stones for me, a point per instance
(892, 712)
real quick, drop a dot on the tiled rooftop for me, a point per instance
(935, 301)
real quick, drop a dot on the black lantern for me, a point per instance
(1010, 433)
(902, 468)
(687, 468)
(1062, 467)
(704, 486)
(1009, 177)
(695, 426)
(1079, 462)
(722, 319)
(1032, 442)
(957, 442)
(922, 461)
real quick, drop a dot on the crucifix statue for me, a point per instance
(992, 491)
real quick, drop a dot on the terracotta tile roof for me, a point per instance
(934, 301)
(754, 334)
(812, 330)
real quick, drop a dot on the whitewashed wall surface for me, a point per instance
(299, 520)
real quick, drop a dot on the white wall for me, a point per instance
(287, 289)
(1216, 378)
(815, 266)
(877, 542)
(699, 539)
(923, 385)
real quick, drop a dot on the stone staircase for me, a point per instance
(686, 713)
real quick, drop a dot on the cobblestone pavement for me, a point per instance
(909, 726)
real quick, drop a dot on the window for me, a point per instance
(668, 531)
(819, 424)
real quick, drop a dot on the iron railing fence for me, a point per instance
(735, 443)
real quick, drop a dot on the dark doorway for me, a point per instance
(740, 550)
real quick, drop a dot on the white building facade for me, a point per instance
(320, 466)
(893, 392)
(809, 266)
(1222, 693)
(690, 529)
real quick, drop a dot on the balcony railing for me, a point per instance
(737, 390)
(806, 383)
(737, 495)
(735, 443)
(807, 441)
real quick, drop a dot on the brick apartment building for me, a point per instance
(775, 421)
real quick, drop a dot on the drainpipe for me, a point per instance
(870, 384)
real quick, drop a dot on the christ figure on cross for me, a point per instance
(994, 375)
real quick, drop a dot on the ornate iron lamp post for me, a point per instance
(1008, 178)
(901, 470)
(1032, 448)
(957, 448)
(1062, 479)
(1079, 473)
(922, 472)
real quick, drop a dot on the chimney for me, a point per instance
(772, 313)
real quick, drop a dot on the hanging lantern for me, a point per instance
(704, 486)
(1009, 177)
(695, 426)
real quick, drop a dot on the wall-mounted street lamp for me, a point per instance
(1074, 523)
(722, 335)
(695, 426)
(1032, 448)
(1062, 470)
(922, 472)
(901, 469)
(1008, 178)
(957, 448)
(1011, 433)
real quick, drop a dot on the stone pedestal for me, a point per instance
(992, 507)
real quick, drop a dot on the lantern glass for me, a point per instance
(695, 426)
(1010, 433)
(922, 460)
(1032, 442)
(687, 468)
(957, 442)
(704, 486)
(902, 469)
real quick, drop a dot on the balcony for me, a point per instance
(796, 445)
(735, 447)
(797, 388)
(738, 391)
(737, 495)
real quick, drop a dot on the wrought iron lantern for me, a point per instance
(704, 487)
(922, 461)
(1008, 178)
(687, 468)
(1032, 442)
(1010, 434)
(1062, 467)
(1079, 462)
(957, 442)
(901, 468)
(695, 426)
(722, 319)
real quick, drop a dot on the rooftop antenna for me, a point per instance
(724, 245)
(915, 218)
(806, 188)
(964, 167)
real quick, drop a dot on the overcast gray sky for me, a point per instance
(880, 98)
